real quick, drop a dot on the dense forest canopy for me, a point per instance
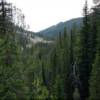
(66, 68)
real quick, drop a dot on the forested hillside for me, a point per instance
(66, 68)
(53, 31)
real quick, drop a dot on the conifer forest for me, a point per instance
(66, 67)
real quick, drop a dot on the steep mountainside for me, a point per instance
(53, 31)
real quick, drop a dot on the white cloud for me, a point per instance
(43, 13)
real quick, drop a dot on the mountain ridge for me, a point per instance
(53, 31)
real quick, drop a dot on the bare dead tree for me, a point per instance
(5, 17)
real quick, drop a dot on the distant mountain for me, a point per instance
(54, 30)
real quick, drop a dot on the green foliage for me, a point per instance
(95, 75)
(40, 91)
(87, 52)
(49, 71)
(95, 80)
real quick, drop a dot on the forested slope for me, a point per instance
(67, 68)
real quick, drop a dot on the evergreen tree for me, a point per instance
(85, 64)
(10, 75)
(95, 77)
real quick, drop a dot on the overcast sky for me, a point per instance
(41, 14)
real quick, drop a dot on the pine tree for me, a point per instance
(85, 64)
(67, 60)
(71, 64)
(93, 30)
(95, 77)
(95, 80)
(10, 79)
